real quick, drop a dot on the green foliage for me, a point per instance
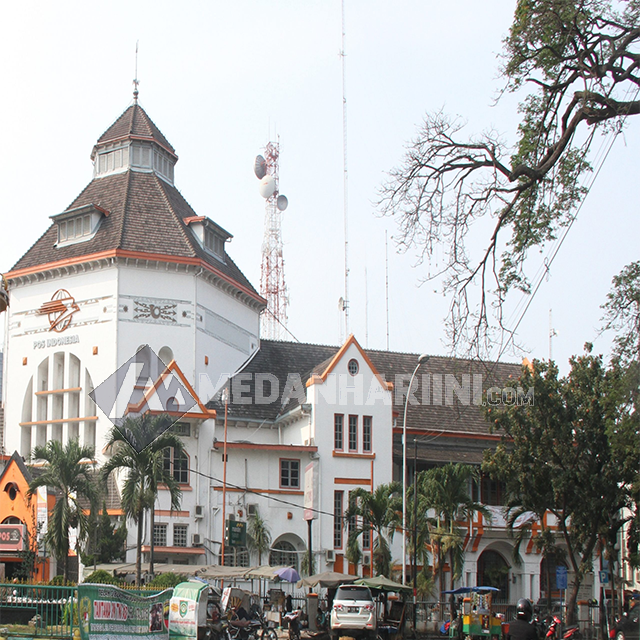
(102, 577)
(575, 435)
(446, 490)
(167, 580)
(378, 513)
(138, 450)
(68, 472)
(574, 62)
(109, 539)
(259, 538)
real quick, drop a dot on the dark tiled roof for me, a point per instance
(146, 214)
(279, 359)
(135, 122)
(283, 358)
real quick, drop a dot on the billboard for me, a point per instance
(13, 537)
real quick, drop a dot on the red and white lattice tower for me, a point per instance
(272, 284)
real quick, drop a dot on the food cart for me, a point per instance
(188, 611)
(476, 619)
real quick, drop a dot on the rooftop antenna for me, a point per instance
(345, 300)
(366, 308)
(386, 285)
(136, 82)
(272, 283)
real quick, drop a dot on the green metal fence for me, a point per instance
(37, 611)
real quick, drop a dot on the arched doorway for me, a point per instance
(548, 568)
(493, 571)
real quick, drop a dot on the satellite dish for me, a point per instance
(267, 186)
(260, 167)
(282, 203)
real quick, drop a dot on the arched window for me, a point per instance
(283, 553)
(12, 490)
(493, 571)
(177, 464)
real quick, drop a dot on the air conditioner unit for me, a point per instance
(330, 555)
(199, 511)
(366, 559)
(196, 540)
(252, 510)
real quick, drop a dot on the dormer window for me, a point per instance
(211, 236)
(214, 243)
(78, 225)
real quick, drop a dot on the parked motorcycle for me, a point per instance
(293, 620)
(555, 631)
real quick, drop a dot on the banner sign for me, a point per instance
(12, 537)
(311, 491)
(105, 612)
(188, 609)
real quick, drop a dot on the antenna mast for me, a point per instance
(345, 302)
(136, 82)
(272, 284)
(386, 284)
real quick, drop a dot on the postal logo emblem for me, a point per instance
(60, 310)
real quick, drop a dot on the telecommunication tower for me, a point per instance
(272, 284)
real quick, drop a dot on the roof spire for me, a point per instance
(136, 82)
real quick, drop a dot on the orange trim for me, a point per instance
(293, 448)
(366, 481)
(140, 255)
(183, 487)
(44, 393)
(57, 421)
(259, 492)
(173, 367)
(476, 541)
(361, 456)
(191, 219)
(315, 379)
(192, 551)
(177, 514)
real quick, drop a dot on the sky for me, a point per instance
(221, 79)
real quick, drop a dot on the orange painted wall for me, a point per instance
(22, 507)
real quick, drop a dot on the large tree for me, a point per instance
(68, 470)
(578, 66)
(137, 448)
(568, 453)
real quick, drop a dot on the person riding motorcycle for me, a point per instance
(521, 628)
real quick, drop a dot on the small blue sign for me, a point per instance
(561, 577)
(604, 577)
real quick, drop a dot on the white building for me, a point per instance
(129, 263)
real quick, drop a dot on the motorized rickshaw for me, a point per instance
(475, 619)
(194, 612)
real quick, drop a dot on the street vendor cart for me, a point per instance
(476, 619)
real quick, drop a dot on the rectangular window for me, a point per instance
(182, 429)
(337, 519)
(160, 535)
(491, 491)
(353, 433)
(62, 231)
(338, 431)
(290, 474)
(366, 537)
(176, 465)
(366, 434)
(180, 535)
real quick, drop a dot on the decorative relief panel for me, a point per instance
(176, 313)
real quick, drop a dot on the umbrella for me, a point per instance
(327, 579)
(219, 572)
(471, 590)
(384, 584)
(288, 573)
(264, 571)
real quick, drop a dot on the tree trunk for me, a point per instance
(571, 601)
(139, 547)
(151, 545)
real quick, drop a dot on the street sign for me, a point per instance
(236, 533)
(561, 577)
(604, 577)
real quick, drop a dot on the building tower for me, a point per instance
(272, 284)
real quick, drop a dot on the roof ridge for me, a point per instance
(181, 224)
(124, 208)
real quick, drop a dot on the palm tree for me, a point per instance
(377, 511)
(259, 536)
(66, 471)
(139, 451)
(446, 491)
